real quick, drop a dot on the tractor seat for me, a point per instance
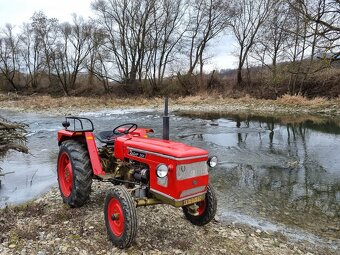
(106, 137)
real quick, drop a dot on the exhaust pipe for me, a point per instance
(166, 127)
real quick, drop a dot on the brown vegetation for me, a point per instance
(12, 137)
(204, 102)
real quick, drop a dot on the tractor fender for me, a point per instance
(64, 135)
(88, 139)
(93, 153)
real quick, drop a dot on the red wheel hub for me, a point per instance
(115, 217)
(201, 207)
(65, 174)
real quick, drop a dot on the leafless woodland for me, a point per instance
(157, 47)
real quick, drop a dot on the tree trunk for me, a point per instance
(239, 76)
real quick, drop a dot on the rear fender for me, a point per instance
(64, 135)
(88, 139)
(93, 152)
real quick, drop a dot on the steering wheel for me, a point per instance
(132, 127)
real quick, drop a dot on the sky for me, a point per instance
(16, 12)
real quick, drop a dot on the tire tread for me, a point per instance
(82, 172)
(130, 217)
(208, 214)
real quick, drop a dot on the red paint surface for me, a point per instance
(65, 175)
(93, 152)
(91, 147)
(117, 225)
(166, 148)
(178, 153)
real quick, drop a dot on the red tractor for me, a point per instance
(144, 171)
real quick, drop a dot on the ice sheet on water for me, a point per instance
(266, 225)
(114, 112)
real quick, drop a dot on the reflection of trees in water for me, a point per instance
(242, 137)
(304, 186)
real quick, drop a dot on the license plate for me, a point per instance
(193, 200)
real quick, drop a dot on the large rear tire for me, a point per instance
(74, 173)
(206, 209)
(120, 217)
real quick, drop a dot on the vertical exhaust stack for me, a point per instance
(166, 128)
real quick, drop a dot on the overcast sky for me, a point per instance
(18, 11)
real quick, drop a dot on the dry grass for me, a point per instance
(42, 102)
(302, 101)
(204, 101)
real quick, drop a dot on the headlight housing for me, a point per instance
(162, 170)
(212, 161)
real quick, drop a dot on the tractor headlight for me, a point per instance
(212, 161)
(162, 170)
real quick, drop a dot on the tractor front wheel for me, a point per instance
(206, 209)
(120, 217)
(74, 173)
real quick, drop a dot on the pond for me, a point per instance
(275, 173)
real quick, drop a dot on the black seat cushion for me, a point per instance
(106, 137)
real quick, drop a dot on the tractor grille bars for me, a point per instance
(187, 171)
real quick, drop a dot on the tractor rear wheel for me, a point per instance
(74, 173)
(206, 209)
(120, 217)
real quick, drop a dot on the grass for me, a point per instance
(303, 101)
(67, 105)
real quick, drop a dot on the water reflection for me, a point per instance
(288, 172)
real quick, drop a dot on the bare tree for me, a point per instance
(9, 56)
(248, 16)
(142, 38)
(32, 54)
(307, 42)
(99, 64)
(45, 32)
(70, 52)
(272, 40)
(325, 14)
(126, 24)
(207, 19)
(165, 36)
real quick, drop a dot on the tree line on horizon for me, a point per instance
(156, 44)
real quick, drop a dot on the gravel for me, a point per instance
(47, 226)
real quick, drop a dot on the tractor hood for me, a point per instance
(173, 149)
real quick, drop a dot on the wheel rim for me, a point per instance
(201, 207)
(65, 175)
(115, 217)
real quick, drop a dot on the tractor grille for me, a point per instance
(187, 171)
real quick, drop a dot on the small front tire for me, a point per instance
(206, 209)
(120, 217)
